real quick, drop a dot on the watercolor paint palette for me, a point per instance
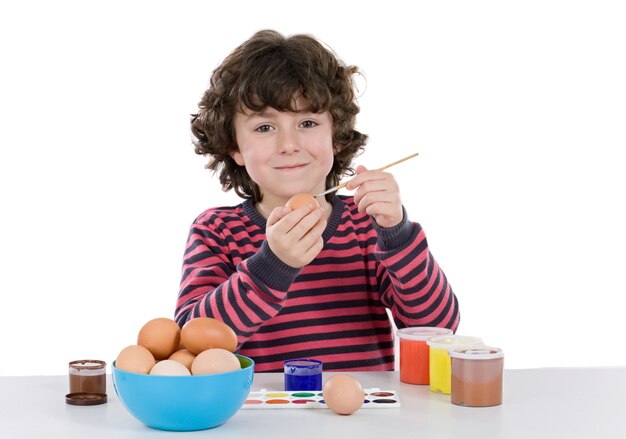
(305, 399)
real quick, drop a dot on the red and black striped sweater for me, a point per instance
(333, 309)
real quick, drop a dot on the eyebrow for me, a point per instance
(269, 111)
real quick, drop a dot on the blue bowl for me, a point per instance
(184, 403)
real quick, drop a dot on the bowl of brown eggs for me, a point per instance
(183, 379)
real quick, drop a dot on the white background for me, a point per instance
(517, 108)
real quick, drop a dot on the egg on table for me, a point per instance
(343, 394)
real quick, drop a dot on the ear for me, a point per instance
(237, 157)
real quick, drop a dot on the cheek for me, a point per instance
(253, 159)
(327, 153)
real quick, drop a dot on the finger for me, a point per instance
(367, 176)
(313, 241)
(386, 214)
(308, 222)
(380, 208)
(315, 249)
(369, 186)
(292, 218)
(298, 252)
(372, 198)
(356, 181)
(277, 214)
(313, 234)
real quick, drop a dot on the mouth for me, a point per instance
(291, 167)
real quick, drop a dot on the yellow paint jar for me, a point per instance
(440, 363)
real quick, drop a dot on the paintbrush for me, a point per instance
(340, 185)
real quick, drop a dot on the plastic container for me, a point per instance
(184, 403)
(88, 383)
(415, 353)
(303, 374)
(440, 364)
(477, 376)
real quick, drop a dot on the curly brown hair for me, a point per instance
(270, 70)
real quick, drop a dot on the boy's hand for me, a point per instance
(377, 194)
(295, 236)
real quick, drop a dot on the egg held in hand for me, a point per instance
(343, 394)
(302, 199)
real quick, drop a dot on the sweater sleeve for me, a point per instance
(217, 282)
(412, 285)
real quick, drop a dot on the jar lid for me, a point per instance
(87, 364)
(82, 398)
(448, 341)
(422, 333)
(303, 363)
(479, 352)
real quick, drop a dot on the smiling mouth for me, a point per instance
(291, 167)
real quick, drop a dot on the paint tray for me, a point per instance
(312, 399)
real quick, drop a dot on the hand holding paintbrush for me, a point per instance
(377, 194)
(341, 185)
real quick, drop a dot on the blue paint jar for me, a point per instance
(303, 374)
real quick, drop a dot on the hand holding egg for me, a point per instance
(295, 236)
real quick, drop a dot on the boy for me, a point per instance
(278, 119)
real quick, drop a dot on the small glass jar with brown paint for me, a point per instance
(476, 376)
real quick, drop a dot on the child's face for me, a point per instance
(285, 153)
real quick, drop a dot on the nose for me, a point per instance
(288, 143)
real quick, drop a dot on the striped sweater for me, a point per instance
(333, 309)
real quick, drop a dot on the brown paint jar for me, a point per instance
(87, 376)
(477, 376)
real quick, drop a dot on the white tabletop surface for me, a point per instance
(537, 403)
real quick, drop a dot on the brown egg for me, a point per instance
(169, 367)
(136, 359)
(184, 357)
(160, 336)
(214, 361)
(302, 199)
(204, 333)
(343, 394)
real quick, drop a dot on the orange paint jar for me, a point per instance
(415, 353)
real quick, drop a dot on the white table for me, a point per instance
(538, 403)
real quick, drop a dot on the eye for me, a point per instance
(308, 124)
(263, 128)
